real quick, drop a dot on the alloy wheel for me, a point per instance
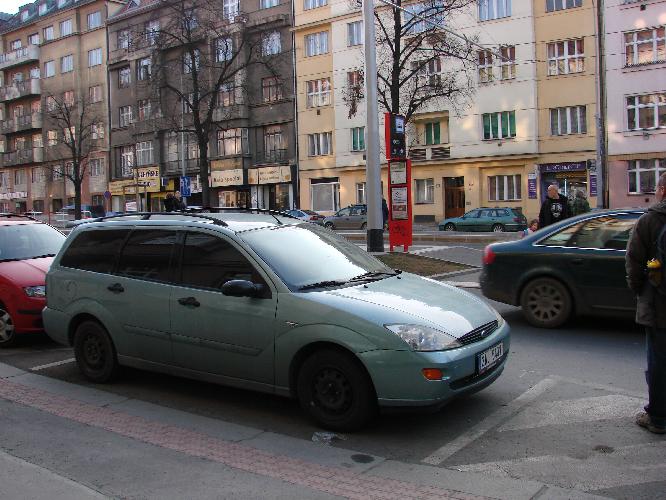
(6, 327)
(545, 302)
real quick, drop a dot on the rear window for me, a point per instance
(147, 255)
(95, 250)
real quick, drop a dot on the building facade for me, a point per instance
(636, 99)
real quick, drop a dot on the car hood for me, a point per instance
(28, 272)
(412, 300)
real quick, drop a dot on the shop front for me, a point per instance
(14, 201)
(571, 177)
(130, 195)
(229, 179)
(272, 187)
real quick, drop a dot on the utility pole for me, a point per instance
(373, 175)
(601, 160)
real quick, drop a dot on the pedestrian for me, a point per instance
(169, 202)
(179, 203)
(646, 244)
(580, 204)
(533, 227)
(554, 208)
(385, 213)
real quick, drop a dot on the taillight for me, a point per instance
(313, 217)
(517, 219)
(488, 255)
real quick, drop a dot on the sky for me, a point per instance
(12, 6)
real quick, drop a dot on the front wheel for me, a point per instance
(364, 226)
(94, 352)
(335, 391)
(329, 225)
(449, 227)
(7, 330)
(546, 303)
(498, 228)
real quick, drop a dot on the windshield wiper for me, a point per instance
(322, 284)
(41, 256)
(373, 275)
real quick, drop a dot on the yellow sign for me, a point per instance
(228, 164)
(226, 177)
(148, 180)
(269, 175)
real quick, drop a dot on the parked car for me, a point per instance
(486, 219)
(87, 212)
(27, 248)
(574, 267)
(220, 297)
(351, 217)
(306, 215)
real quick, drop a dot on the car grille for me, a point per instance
(479, 333)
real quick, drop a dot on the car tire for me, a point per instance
(364, 226)
(7, 330)
(449, 226)
(546, 303)
(95, 353)
(329, 225)
(498, 228)
(335, 391)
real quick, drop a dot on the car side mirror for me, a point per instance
(242, 288)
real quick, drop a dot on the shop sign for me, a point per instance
(227, 164)
(269, 175)
(563, 167)
(148, 180)
(593, 184)
(13, 195)
(532, 186)
(220, 178)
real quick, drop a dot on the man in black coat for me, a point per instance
(554, 208)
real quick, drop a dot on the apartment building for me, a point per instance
(51, 48)
(636, 99)
(252, 144)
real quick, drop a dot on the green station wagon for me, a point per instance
(486, 219)
(220, 297)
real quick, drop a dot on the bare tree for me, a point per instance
(75, 127)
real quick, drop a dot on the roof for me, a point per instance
(132, 8)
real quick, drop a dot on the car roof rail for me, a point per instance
(148, 215)
(19, 216)
(268, 211)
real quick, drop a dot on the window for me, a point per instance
(224, 49)
(125, 115)
(354, 33)
(320, 144)
(508, 62)
(24, 15)
(313, 4)
(645, 46)
(143, 69)
(226, 94)
(144, 106)
(485, 66)
(33, 39)
(432, 133)
(318, 92)
(69, 134)
(61, 3)
(230, 8)
(4, 181)
(267, 4)
(34, 72)
(144, 153)
(48, 33)
(316, 44)
(123, 39)
(37, 175)
(209, 262)
(494, 9)
(147, 255)
(94, 57)
(325, 194)
(56, 170)
(51, 103)
(124, 77)
(15, 45)
(428, 73)
(569, 120)
(66, 27)
(553, 5)
(38, 205)
(37, 141)
(273, 142)
(644, 175)
(68, 98)
(566, 57)
(97, 131)
(127, 160)
(431, 10)
(19, 177)
(424, 191)
(504, 187)
(360, 193)
(646, 111)
(271, 43)
(49, 69)
(95, 93)
(188, 65)
(67, 63)
(96, 169)
(610, 232)
(94, 20)
(232, 142)
(358, 139)
(43, 8)
(355, 83)
(152, 31)
(499, 125)
(271, 89)
(52, 137)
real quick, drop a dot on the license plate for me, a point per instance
(489, 358)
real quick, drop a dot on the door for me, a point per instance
(357, 217)
(468, 221)
(343, 219)
(215, 333)
(485, 220)
(454, 196)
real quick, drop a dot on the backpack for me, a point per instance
(658, 279)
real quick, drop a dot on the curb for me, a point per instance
(441, 238)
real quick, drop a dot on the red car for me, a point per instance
(27, 248)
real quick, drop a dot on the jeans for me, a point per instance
(656, 375)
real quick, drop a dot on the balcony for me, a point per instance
(430, 153)
(273, 157)
(19, 56)
(21, 123)
(175, 168)
(20, 89)
(22, 157)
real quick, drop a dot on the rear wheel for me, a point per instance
(7, 330)
(334, 389)
(329, 225)
(449, 227)
(546, 303)
(95, 353)
(498, 228)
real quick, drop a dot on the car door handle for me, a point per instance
(115, 288)
(577, 262)
(189, 301)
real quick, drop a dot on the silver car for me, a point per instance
(351, 217)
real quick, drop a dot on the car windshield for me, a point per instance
(305, 256)
(29, 241)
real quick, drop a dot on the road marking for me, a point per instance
(490, 422)
(51, 365)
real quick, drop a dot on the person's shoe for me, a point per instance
(644, 420)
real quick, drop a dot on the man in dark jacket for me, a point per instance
(554, 208)
(650, 308)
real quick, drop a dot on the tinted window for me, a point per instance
(28, 241)
(343, 213)
(147, 255)
(472, 214)
(209, 262)
(95, 250)
(611, 232)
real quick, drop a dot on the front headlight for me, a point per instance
(424, 338)
(35, 291)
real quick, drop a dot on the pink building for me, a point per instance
(635, 99)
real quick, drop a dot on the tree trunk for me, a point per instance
(203, 173)
(77, 197)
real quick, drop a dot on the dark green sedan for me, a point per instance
(574, 267)
(486, 219)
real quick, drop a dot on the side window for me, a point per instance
(357, 211)
(147, 255)
(485, 213)
(344, 212)
(472, 215)
(95, 250)
(209, 262)
(611, 232)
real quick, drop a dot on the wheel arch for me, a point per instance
(77, 320)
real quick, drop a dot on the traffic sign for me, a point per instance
(185, 187)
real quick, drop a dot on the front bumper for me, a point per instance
(399, 381)
(27, 315)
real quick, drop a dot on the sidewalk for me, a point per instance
(62, 440)
(423, 235)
